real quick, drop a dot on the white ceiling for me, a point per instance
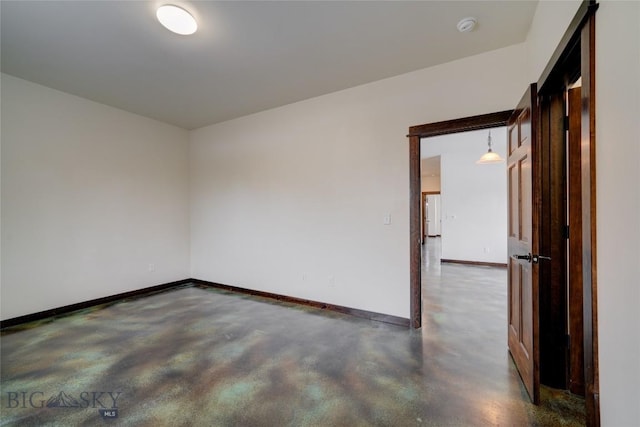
(246, 56)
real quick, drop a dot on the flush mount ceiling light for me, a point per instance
(490, 157)
(176, 19)
(467, 24)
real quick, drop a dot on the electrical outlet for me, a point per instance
(152, 268)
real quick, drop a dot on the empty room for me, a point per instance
(220, 213)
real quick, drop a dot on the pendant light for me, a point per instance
(490, 157)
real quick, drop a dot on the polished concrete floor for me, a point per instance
(205, 357)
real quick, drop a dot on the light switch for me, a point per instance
(386, 219)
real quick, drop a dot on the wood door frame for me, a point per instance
(575, 55)
(484, 121)
(589, 270)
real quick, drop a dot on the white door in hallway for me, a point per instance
(433, 214)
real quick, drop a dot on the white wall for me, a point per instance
(91, 195)
(549, 24)
(618, 209)
(474, 197)
(303, 189)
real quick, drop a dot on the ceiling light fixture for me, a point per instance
(467, 24)
(490, 157)
(176, 19)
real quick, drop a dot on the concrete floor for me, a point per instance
(211, 358)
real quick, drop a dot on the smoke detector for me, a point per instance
(467, 24)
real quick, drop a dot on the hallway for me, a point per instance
(465, 317)
(205, 357)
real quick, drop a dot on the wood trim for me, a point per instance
(109, 300)
(415, 240)
(478, 263)
(574, 189)
(466, 124)
(589, 270)
(369, 315)
(139, 293)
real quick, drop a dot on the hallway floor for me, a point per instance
(198, 356)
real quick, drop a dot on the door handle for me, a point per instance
(531, 258)
(526, 257)
(537, 258)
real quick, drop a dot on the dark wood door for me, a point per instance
(576, 316)
(523, 241)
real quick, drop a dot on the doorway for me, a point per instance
(551, 355)
(576, 51)
(416, 133)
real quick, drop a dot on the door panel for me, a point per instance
(524, 208)
(576, 317)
